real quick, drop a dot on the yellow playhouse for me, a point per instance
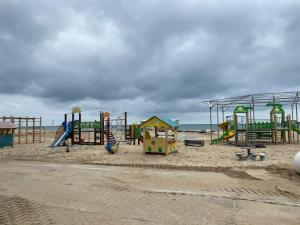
(159, 135)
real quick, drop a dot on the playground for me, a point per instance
(278, 121)
(262, 129)
(208, 158)
(90, 132)
(88, 185)
(154, 170)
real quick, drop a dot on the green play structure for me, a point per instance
(242, 127)
(277, 129)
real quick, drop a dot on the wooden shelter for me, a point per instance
(159, 135)
(7, 129)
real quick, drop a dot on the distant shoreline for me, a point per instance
(196, 128)
(194, 131)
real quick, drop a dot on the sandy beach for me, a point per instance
(212, 157)
(90, 186)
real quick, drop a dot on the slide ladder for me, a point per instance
(110, 137)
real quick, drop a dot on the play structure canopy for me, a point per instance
(277, 109)
(241, 109)
(261, 99)
(158, 122)
(7, 125)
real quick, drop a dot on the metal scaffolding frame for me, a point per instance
(28, 129)
(254, 100)
(284, 98)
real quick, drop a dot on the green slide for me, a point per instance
(227, 135)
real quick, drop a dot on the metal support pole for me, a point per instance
(249, 126)
(253, 118)
(250, 114)
(210, 122)
(26, 130)
(79, 130)
(247, 129)
(283, 125)
(108, 130)
(289, 130)
(223, 118)
(272, 130)
(40, 139)
(235, 119)
(95, 136)
(253, 114)
(297, 124)
(292, 108)
(218, 130)
(125, 125)
(275, 129)
(73, 126)
(19, 130)
(33, 130)
(102, 128)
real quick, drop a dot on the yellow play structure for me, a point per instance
(159, 135)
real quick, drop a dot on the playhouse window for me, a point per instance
(160, 133)
(170, 135)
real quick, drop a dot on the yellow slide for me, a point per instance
(228, 132)
(231, 134)
(225, 125)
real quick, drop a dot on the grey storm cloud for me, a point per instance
(172, 53)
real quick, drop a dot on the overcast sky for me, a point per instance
(146, 57)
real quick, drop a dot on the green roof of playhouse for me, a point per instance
(275, 104)
(168, 122)
(277, 109)
(241, 109)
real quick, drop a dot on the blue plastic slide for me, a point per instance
(61, 138)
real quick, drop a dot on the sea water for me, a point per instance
(182, 127)
(197, 127)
